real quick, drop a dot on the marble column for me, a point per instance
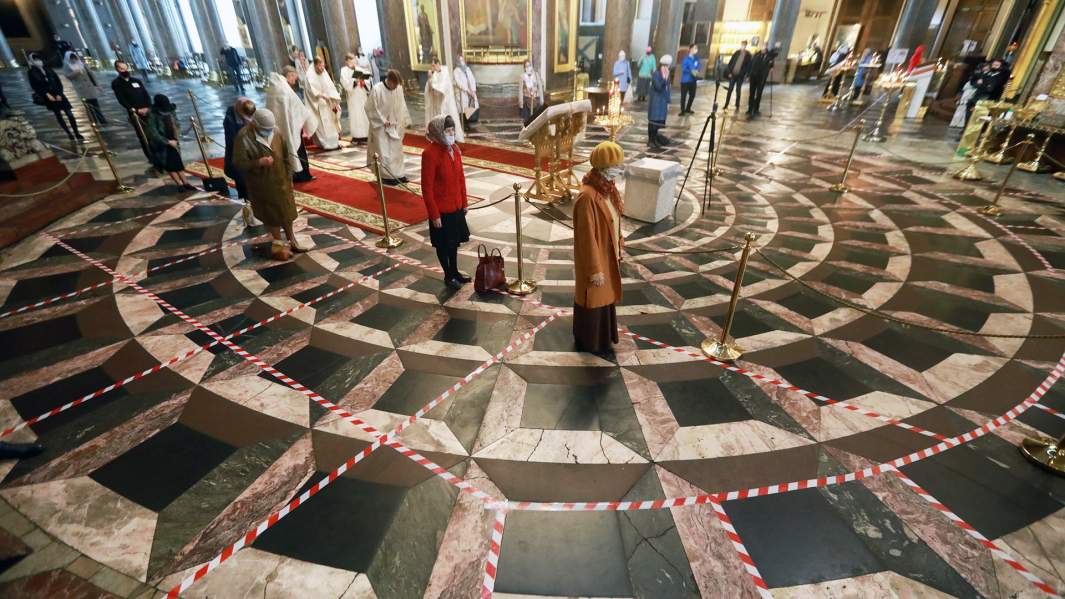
(212, 36)
(617, 33)
(913, 24)
(127, 24)
(94, 30)
(165, 45)
(785, 15)
(268, 35)
(666, 38)
(353, 26)
(6, 56)
(1053, 74)
(337, 29)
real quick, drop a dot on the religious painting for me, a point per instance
(496, 31)
(565, 47)
(423, 32)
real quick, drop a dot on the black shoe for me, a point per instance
(404, 180)
(453, 283)
(653, 145)
(463, 277)
(18, 451)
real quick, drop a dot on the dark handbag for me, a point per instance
(490, 270)
(38, 99)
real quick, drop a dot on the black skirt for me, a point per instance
(595, 329)
(170, 159)
(452, 231)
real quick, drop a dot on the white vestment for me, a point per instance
(440, 99)
(467, 90)
(386, 109)
(324, 99)
(292, 116)
(355, 90)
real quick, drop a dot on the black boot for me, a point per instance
(18, 451)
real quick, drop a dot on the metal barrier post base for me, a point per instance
(839, 188)
(726, 352)
(521, 287)
(1046, 453)
(969, 173)
(389, 242)
(990, 210)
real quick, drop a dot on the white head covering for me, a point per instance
(666, 60)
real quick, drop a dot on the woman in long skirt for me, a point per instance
(444, 191)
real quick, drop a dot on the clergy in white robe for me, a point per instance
(294, 119)
(466, 85)
(354, 80)
(440, 97)
(324, 100)
(386, 110)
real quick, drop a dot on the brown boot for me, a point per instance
(279, 251)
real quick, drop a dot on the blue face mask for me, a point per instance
(264, 133)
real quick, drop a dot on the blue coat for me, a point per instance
(689, 66)
(623, 73)
(658, 104)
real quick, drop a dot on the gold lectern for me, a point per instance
(552, 135)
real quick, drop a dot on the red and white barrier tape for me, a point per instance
(153, 269)
(1027, 227)
(1038, 256)
(741, 550)
(491, 563)
(1051, 410)
(972, 532)
(107, 224)
(187, 355)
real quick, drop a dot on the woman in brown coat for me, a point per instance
(597, 251)
(261, 154)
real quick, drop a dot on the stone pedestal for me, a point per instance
(650, 186)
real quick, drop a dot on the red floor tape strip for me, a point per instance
(108, 224)
(1051, 410)
(57, 298)
(741, 550)
(1038, 256)
(972, 532)
(491, 563)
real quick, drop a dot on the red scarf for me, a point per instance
(598, 182)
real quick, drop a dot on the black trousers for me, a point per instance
(70, 116)
(234, 76)
(653, 135)
(736, 82)
(754, 95)
(305, 162)
(687, 95)
(449, 260)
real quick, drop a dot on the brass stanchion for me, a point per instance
(196, 109)
(1000, 156)
(844, 97)
(519, 286)
(714, 171)
(876, 135)
(992, 209)
(103, 152)
(721, 348)
(1045, 452)
(1034, 165)
(387, 242)
(841, 187)
(120, 187)
(203, 153)
(976, 154)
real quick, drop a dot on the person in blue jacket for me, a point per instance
(623, 72)
(689, 75)
(658, 104)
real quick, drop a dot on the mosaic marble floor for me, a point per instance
(239, 435)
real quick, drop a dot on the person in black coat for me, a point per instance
(761, 65)
(232, 61)
(237, 115)
(989, 84)
(133, 96)
(48, 92)
(736, 71)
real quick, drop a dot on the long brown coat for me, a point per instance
(269, 187)
(594, 251)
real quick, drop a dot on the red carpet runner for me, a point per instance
(347, 197)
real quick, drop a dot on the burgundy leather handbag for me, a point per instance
(491, 272)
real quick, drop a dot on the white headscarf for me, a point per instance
(70, 69)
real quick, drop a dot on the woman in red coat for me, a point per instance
(444, 192)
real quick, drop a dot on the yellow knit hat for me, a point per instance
(607, 154)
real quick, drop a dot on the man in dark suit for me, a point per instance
(133, 96)
(736, 71)
(232, 61)
(761, 65)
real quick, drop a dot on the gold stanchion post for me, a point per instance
(196, 109)
(841, 187)
(521, 285)
(992, 209)
(120, 187)
(1046, 452)
(387, 242)
(103, 152)
(1034, 165)
(196, 130)
(721, 348)
(876, 135)
(1000, 156)
(714, 171)
(976, 154)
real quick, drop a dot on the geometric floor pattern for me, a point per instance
(168, 467)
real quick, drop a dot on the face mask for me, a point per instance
(695, 52)
(37, 63)
(613, 172)
(124, 74)
(449, 140)
(528, 70)
(264, 133)
(621, 56)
